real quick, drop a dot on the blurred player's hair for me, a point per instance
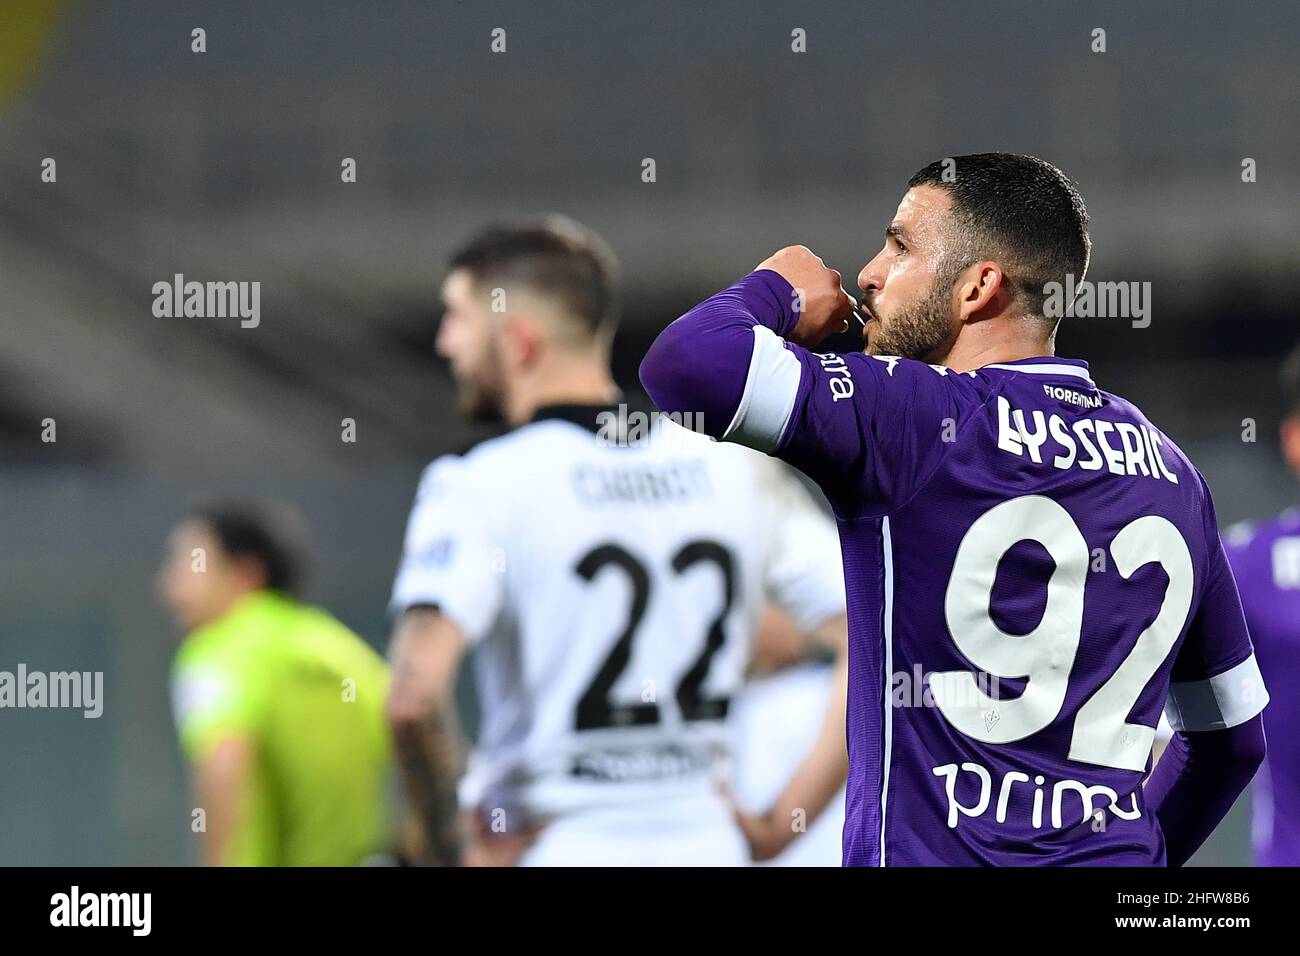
(1291, 382)
(271, 533)
(553, 256)
(1019, 211)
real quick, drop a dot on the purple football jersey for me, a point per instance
(1266, 560)
(1033, 572)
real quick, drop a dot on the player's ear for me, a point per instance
(980, 285)
(522, 339)
(250, 572)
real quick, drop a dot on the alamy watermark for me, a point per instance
(624, 427)
(1099, 300)
(75, 690)
(912, 689)
(75, 908)
(208, 300)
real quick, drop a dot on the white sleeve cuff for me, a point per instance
(1223, 701)
(771, 388)
(1163, 731)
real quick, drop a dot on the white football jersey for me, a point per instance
(612, 589)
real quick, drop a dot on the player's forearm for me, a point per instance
(1199, 777)
(426, 651)
(222, 778)
(823, 771)
(428, 755)
(699, 364)
(222, 820)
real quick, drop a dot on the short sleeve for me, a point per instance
(868, 429)
(449, 558)
(1215, 683)
(212, 700)
(804, 575)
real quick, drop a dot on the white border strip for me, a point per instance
(1223, 701)
(771, 387)
(888, 552)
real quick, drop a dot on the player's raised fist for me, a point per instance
(819, 297)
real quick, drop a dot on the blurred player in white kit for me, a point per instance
(610, 577)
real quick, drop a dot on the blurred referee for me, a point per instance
(279, 706)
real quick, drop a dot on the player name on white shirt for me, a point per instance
(600, 483)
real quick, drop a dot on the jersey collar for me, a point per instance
(1047, 365)
(245, 613)
(584, 416)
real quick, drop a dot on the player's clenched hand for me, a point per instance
(766, 835)
(483, 847)
(823, 305)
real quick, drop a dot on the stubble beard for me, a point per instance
(481, 394)
(921, 330)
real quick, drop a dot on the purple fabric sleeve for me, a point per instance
(700, 362)
(1198, 778)
(867, 429)
(1218, 637)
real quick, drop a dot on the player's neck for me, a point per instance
(975, 351)
(567, 380)
(222, 608)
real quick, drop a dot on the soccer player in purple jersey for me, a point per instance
(1266, 560)
(1033, 568)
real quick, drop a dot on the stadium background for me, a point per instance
(225, 165)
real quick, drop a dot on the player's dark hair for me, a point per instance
(1291, 381)
(274, 535)
(554, 256)
(1019, 211)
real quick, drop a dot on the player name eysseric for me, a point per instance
(1092, 444)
